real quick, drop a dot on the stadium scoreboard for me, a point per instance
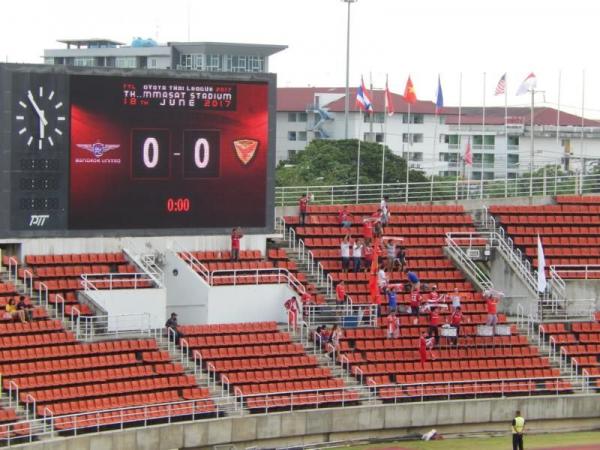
(134, 152)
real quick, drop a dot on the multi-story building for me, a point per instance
(147, 54)
(435, 143)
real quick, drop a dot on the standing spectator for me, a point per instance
(27, 309)
(291, 306)
(171, 324)
(367, 252)
(340, 292)
(425, 344)
(393, 325)
(14, 312)
(518, 428)
(367, 228)
(357, 254)
(434, 323)
(236, 235)
(455, 321)
(303, 207)
(390, 251)
(377, 225)
(455, 299)
(413, 279)
(344, 218)
(382, 280)
(345, 253)
(385, 210)
(415, 304)
(400, 258)
(492, 310)
(334, 339)
(392, 298)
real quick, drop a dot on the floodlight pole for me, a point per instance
(347, 96)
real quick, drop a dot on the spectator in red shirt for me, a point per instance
(415, 304)
(434, 323)
(344, 218)
(291, 306)
(393, 325)
(367, 229)
(492, 310)
(455, 321)
(425, 343)
(367, 256)
(303, 206)
(236, 235)
(340, 292)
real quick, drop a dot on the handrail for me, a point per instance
(195, 264)
(440, 190)
(147, 262)
(13, 269)
(455, 248)
(87, 328)
(115, 280)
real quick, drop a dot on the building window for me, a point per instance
(125, 62)
(415, 156)
(213, 63)
(486, 142)
(414, 118)
(449, 157)
(377, 117)
(256, 64)
(512, 161)
(193, 61)
(153, 62)
(301, 135)
(238, 64)
(302, 117)
(291, 135)
(373, 137)
(291, 153)
(453, 141)
(513, 142)
(415, 138)
(291, 117)
(84, 62)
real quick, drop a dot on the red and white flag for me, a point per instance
(501, 86)
(468, 154)
(528, 84)
(389, 104)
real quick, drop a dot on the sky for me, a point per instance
(422, 38)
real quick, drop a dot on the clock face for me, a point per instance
(40, 118)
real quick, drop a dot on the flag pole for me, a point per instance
(531, 150)
(506, 132)
(433, 146)
(459, 120)
(384, 126)
(360, 121)
(407, 156)
(482, 137)
(582, 133)
(558, 108)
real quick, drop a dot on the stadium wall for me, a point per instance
(543, 414)
(583, 289)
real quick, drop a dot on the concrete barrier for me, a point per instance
(543, 414)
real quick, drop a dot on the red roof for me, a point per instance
(495, 116)
(297, 99)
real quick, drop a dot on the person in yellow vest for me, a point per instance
(518, 427)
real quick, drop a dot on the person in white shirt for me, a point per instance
(357, 254)
(385, 211)
(455, 299)
(345, 253)
(382, 280)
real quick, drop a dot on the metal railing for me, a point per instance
(576, 271)
(305, 256)
(273, 275)
(194, 263)
(455, 243)
(89, 328)
(147, 261)
(347, 315)
(436, 190)
(13, 269)
(111, 281)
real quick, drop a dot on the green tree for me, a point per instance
(329, 162)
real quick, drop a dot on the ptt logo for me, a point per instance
(38, 220)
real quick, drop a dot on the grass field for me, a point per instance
(540, 441)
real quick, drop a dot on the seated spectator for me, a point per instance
(325, 334)
(344, 218)
(171, 324)
(340, 292)
(27, 309)
(13, 312)
(400, 258)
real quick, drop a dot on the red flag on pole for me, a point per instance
(468, 154)
(410, 96)
(389, 104)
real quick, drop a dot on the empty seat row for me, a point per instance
(237, 339)
(225, 255)
(270, 375)
(82, 258)
(394, 209)
(222, 329)
(251, 351)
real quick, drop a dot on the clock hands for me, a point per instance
(37, 108)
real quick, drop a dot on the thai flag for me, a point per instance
(362, 98)
(439, 97)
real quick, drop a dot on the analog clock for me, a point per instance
(40, 120)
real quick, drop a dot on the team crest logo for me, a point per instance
(98, 149)
(245, 149)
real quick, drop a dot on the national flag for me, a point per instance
(501, 86)
(468, 154)
(541, 270)
(528, 84)
(362, 98)
(410, 96)
(439, 97)
(389, 104)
